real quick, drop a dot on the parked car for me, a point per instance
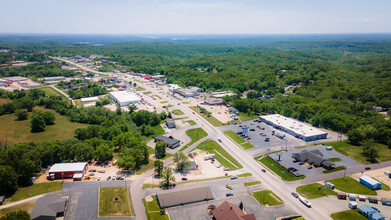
(294, 194)
(229, 194)
(184, 178)
(267, 139)
(101, 171)
(240, 125)
(239, 132)
(121, 178)
(367, 168)
(263, 170)
(252, 129)
(220, 140)
(92, 170)
(234, 177)
(113, 178)
(193, 113)
(229, 187)
(262, 134)
(301, 163)
(310, 167)
(108, 178)
(226, 169)
(219, 165)
(98, 178)
(248, 138)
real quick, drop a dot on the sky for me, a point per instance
(195, 16)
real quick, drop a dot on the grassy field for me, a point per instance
(351, 185)
(247, 146)
(267, 197)
(334, 159)
(138, 88)
(4, 101)
(157, 130)
(348, 215)
(152, 210)
(193, 134)
(191, 122)
(26, 206)
(279, 170)
(246, 117)
(34, 190)
(355, 152)
(109, 207)
(19, 131)
(49, 91)
(252, 183)
(211, 119)
(311, 191)
(177, 112)
(239, 140)
(334, 170)
(213, 147)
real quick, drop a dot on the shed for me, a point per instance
(175, 197)
(89, 99)
(352, 205)
(372, 199)
(384, 201)
(370, 182)
(78, 177)
(341, 196)
(330, 185)
(352, 197)
(365, 210)
(362, 198)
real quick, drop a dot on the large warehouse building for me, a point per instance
(68, 170)
(175, 197)
(125, 98)
(294, 127)
(370, 182)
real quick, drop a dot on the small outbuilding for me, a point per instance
(341, 196)
(89, 99)
(362, 198)
(372, 199)
(370, 182)
(170, 123)
(352, 197)
(384, 201)
(366, 210)
(352, 205)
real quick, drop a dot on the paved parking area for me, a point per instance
(287, 160)
(199, 211)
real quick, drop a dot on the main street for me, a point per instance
(268, 180)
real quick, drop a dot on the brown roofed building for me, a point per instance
(229, 211)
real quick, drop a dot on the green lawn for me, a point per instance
(109, 207)
(244, 175)
(193, 134)
(234, 137)
(267, 197)
(25, 206)
(351, 185)
(311, 191)
(247, 146)
(19, 131)
(157, 130)
(355, 152)
(246, 117)
(176, 119)
(334, 170)
(191, 122)
(147, 93)
(252, 183)
(145, 167)
(348, 215)
(211, 119)
(49, 91)
(177, 112)
(34, 190)
(279, 170)
(158, 97)
(213, 147)
(152, 210)
(138, 88)
(185, 102)
(164, 102)
(334, 159)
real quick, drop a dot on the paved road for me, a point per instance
(269, 180)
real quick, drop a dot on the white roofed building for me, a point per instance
(67, 170)
(125, 98)
(89, 99)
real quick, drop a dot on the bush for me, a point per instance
(21, 115)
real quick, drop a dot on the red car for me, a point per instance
(367, 168)
(310, 167)
(263, 170)
(193, 113)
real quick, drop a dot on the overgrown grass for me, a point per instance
(252, 183)
(109, 207)
(279, 170)
(211, 119)
(267, 197)
(177, 112)
(312, 191)
(351, 185)
(4, 101)
(34, 190)
(213, 147)
(20, 131)
(356, 152)
(348, 215)
(152, 210)
(334, 159)
(334, 170)
(26, 206)
(193, 134)
(191, 122)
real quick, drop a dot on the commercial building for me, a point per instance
(170, 123)
(294, 127)
(370, 182)
(16, 78)
(314, 156)
(54, 79)
(171, 143)
(49, 208)
(67, 170)
(212, 101)
(222, 94)
(125, 98)
(159, 83)
(228, 210)
(175, 197)
(89, 99)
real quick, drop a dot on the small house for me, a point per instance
(341, 196)
(384, 201)
(370, 182)
(352, 197)
(372, 199)
(362, 198)
(352, 205)
(366, 210)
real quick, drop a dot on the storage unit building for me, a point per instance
(125, 98)
(341, 196)
(362, 198)
(352, 205)
(170, 123)
(352, 197)
(175, 197)
(171, 143)
(372, 199)
(376, 216)
(67, 170)
(385, 201)
(89, 99)
(365, 210)
(370, 182)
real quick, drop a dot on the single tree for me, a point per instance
(167, 178)
(48, 117)
(160, 149)
(370, 151)
(181, 160)
(21, 115)
(131, 108)
(158, 167)
(37, 123)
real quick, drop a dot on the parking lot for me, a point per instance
(199, 211)
(286, 160)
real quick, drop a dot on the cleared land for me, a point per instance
(221, 155)
(177, 112)
(152, 210)
(26, 206)
(348, 215)
(252, 183)
(351, 185)
(194, 134)
(279, 170)
(355, 152)
(191, 122)
(267, 197)
(34, 190)
(314, 190)
(210, 119)
(108, 206)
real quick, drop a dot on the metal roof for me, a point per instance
(48, 206)
(68, 167)
(175, 197)
(167, 140)
(366, 209)
(369, 180)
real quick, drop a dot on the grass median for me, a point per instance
(177, 112)
(115, 201)
(334, 170)
(252, 183)
(279, 170)
(239, 140)
(194, 134)
(267, 197)
(314, 190)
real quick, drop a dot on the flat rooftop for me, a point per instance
(125, 96)
(292, 124)
(67, 167)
